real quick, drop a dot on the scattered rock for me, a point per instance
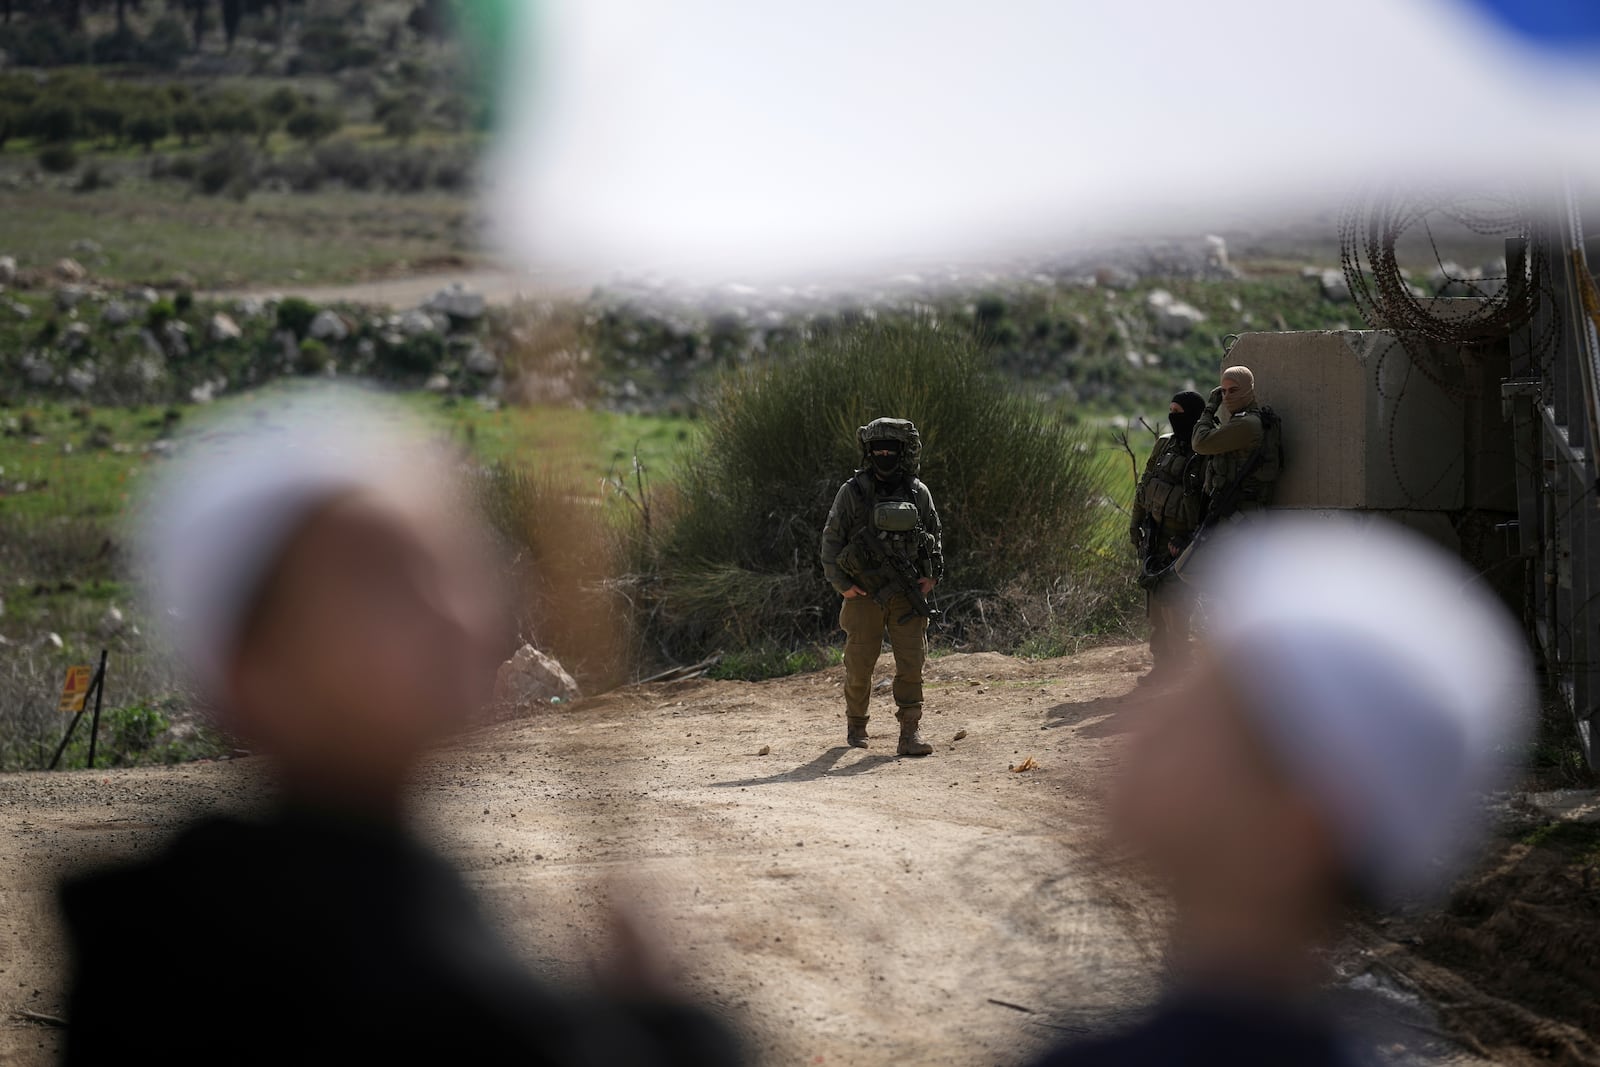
(531, 677)
(53, 640)
(415, 323)
(112, 621)
(223, 328)
(142, 294)
(250, 307)
(457, 302)
(175, 337)
(437, 383)
(38, 369)
(959, 735)
(80, 380)
(204, 393)
(116, 313)
(8, 270)
(85, 246)
(19, 310)
(1115, 278)
(1173, 317)
(1216, 250)
(480, 360)
(70, 296)
(329, 326)
(70, 270)
(75, 337)
(1335, 286)
(766, 750)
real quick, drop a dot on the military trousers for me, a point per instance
(865, 621)
(1171, 606)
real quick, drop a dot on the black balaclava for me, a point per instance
(1192, 404)
(885, 467)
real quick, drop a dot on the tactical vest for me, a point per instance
(894, 525)
(1171, 493)
(1222, 470)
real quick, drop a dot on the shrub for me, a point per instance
(314, 356)
(159, 314)
(147, 127)
(105, 118)
(417, 355)
(281, 102)
(401, 124)
(189, 122)
(295, 315)
(228, 167)
(58, 158)
(313, 124)
(1019, 490)
(52, 120)
(93, 179)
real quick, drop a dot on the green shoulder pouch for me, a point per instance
(895, 516)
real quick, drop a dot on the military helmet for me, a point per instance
(902, 430)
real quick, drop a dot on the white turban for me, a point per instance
(1386, 677)
(221, 515)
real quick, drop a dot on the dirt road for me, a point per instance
(847, 906)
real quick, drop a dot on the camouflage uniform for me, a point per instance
(1171, 496)
(1228, 446)
(864, 619)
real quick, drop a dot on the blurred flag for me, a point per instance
(740, 141)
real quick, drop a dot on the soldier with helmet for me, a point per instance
(882, 551)
(1167, 507)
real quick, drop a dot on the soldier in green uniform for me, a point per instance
(1167, 507)
(1229, 432)
(881, 549)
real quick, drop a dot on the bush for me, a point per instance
(51, 120)
(189, 122)
(295, 315)
(313, 124)
(58, 158)
(314, 356)
(226, 168)
(147, 127)
(1019, 489)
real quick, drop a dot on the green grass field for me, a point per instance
(155, 232)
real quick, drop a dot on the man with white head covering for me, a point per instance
(1232, 430)
(329, 596)
(1357, 694)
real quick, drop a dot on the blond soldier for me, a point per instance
(1232, 428)
(881, 550)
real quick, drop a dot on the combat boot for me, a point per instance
(911, 742)
(856, 733)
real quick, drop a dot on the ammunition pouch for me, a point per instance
(895, 516)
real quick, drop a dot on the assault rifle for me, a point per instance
(1155, 562)
(1221, 506)
(893, 574)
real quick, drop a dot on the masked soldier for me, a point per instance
(881, 550)
(1231, 430)
(1167, 507)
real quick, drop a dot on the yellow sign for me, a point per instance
(76, 689)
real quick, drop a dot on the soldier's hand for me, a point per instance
(853, 592)
(926, 585)
(1173, 549)
(1215, 400)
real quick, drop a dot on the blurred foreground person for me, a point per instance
(1356, 693)
(337, 612)
(1167, 507)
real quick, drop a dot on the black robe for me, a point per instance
(304, 938)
